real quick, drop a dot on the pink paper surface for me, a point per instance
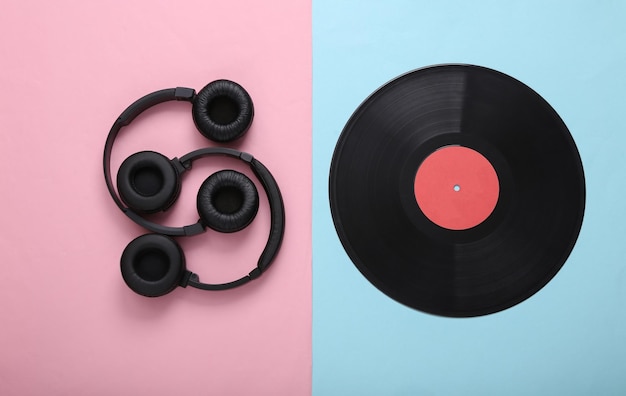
(69, 323)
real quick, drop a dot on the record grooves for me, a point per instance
(480, 266)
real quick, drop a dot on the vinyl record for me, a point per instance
(457, 190)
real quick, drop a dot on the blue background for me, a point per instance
(570, 338)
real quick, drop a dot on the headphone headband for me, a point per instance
(191, 279)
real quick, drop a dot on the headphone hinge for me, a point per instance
(186, 94)
(255, 273)
(179, 166)
(184, 281)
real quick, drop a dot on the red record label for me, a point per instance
(456, 187)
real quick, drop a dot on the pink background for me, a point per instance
(69, 323)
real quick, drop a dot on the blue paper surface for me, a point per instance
(570, 337)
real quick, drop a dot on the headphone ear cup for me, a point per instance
(147, 182)
(152, 265)
(227, 201)
(222, 111)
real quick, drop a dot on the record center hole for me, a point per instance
(456, 187)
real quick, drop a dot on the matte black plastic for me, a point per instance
(186, 94)
(144, 103)
(277, 226)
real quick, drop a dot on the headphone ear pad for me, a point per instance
(152, 265)
(222, 111)
(147, 182)
(227, 201)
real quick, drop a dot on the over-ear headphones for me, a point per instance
(149, 182)
(227, 201)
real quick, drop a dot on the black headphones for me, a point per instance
(227, 201)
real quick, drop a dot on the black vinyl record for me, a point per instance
(470, 249)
